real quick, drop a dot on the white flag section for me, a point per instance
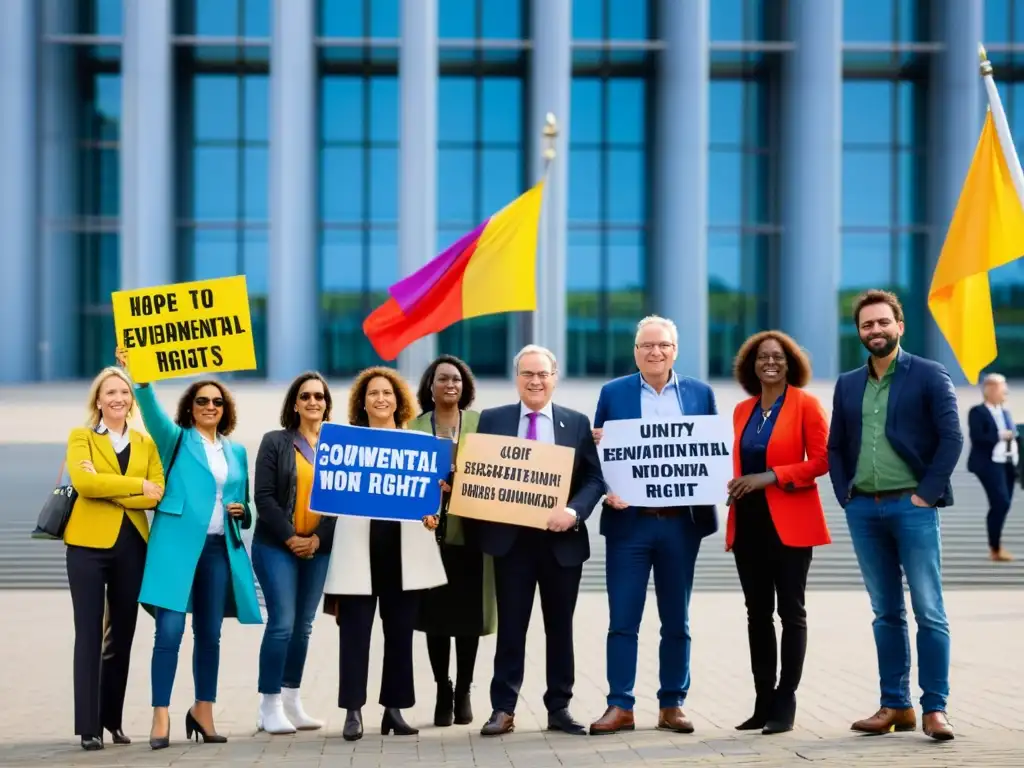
(682, 462)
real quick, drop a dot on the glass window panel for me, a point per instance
(866, 261)
(502, 19)
(912, 192)
(587, 20)
(455, 185)
(341, 18)
(626, 186)
(585, 185)
(102, 182)
(500, 174)
(1014, 93)
(456, 109)
(585, 107)
(868, 21)
(341, 184)
(215, 252)
(341, 261)
(215, 184)
(216, 18)
(867, 188)
(257, 108)
(501, 118)
(627, 19)
(383, 259)
(627, 254)
(626, 111)
(867, 112)
(583, 257)
(724, 262)
(384, 18)
(726, 112)
(737, 296)
(256, 184)
(908, 22)
(105, 249)
(384, 109)
(108, 17)
(341, 108)
(449, 234)
(215, 107)
(256, 260)
(725, 183)
(907, 117)
(997, 21)
(384, 184)
(456, 18)
(257, 18)
(1007, 299)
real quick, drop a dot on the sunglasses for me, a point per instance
(202, 402)
(304, 396)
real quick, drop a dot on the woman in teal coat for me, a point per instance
(196, 562)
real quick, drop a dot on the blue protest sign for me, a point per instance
(386, 474)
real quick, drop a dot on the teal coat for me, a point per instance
(178, 533)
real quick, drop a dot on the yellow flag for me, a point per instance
(987, 231)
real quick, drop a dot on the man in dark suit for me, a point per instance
(993, 458)
(639, 540)
(894, 443)
(528, 558)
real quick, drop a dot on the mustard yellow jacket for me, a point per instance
(106, 496)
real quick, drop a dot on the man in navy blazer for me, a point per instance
(528, 558)
(894, 442)
(993, 458)
(639, 540)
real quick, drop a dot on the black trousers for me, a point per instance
(104, 581)
(998, 481)
(528, 565)
(770, 571)
(355, 626)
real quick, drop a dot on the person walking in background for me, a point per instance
(196, 561)
(117, 474)
(894, 442)
(993, 458)
(464, 608)
(291, 549)
(780, 448)
(641, 539)
(383, 561)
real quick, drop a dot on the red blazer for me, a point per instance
(798, 454)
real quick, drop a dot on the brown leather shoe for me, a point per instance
(936, 725)
(674, 719)
(886, 720)
(613, 720)
(499, 723)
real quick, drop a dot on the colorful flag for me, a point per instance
(491, 270)
(987, 231)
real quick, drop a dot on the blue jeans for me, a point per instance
(292, 588)
(210, 587)
(888, 534)
(635, 544)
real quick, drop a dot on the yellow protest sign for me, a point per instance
(185, 328)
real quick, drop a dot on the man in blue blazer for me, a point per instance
(894, 442)
(993, 458)
(526, 559)
(637, 540)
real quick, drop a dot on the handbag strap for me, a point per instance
(174, 457)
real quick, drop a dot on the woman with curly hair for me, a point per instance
(775, 514)
(197, 562)
(378, 560)
(464, 608)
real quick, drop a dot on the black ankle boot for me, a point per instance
(444, 709)
(463, 707)
(783, 714)
(353, 730)
(762, 711)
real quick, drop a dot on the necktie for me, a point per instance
(531, 429)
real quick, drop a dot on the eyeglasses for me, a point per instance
(649, 346)
(771, 358)
(204, 401)
(542, 375)
(304, 396)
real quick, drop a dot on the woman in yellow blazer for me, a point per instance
(117, 474)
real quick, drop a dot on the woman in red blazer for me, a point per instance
(775, 513)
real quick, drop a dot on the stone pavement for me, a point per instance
(839, 686)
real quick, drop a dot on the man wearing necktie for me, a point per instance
(993, 458)
(526, 559)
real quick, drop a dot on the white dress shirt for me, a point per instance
(219, 469)
(660, 406)
(119, 441)
(545, 423)
(1002, 453)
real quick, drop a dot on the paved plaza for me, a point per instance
(36, 723)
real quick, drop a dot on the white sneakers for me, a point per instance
(295, 713)
(272, 718)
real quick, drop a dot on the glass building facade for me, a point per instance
(732, 164)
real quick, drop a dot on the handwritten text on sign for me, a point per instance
(185, 328)
(668, 463)
(387, 474)
(510, 480)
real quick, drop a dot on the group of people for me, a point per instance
(891, 447)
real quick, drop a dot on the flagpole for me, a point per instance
(995, 105)
(542, 316)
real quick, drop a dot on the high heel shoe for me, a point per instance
(783, 715)
(762, 711)
(463, 707)
(393, 721)
(353, 730)
(192, 726)
(118, 737)
(92, 743)
(444, 709)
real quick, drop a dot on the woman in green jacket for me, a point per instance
(464, 608)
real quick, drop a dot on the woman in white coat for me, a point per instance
(379, 560)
